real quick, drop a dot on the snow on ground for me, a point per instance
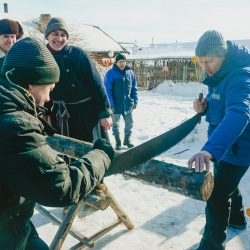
(163, 220)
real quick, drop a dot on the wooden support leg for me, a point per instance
(98, 235)
(121, 214)
(65, 227)
(57, 221)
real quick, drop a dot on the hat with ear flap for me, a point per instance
(8, 26)
(29, 62)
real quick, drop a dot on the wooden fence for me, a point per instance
(151, 72)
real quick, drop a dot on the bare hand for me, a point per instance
(200, 106)
(200, 159)
(106, 123)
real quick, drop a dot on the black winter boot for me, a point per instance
(127, 141)
(118, 142)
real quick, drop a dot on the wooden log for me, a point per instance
(175, 178)
(69, 146)
(97, 199)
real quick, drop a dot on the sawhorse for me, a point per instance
(66, 223)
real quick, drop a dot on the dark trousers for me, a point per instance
(224, 206)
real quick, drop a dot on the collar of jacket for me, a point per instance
(2, 53)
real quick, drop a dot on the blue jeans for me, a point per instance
(128, 119)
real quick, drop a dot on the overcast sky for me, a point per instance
(163, 21)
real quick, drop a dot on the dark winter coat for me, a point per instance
(30, 171)
(121, 88)
(228, 112)
(79, 79)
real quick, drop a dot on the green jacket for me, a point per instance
(31, 171)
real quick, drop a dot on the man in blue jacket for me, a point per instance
(227, 109)
(121, 87)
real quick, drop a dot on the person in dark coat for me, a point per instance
(227, 110)
(10, 32)
(30, 170)
(80, 99)
(121, 87)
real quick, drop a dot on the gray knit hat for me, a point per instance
(212, 44)
(30, 62)
(56, 23)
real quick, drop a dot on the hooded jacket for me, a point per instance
(31, 171)
(228, 112)
(121, 88)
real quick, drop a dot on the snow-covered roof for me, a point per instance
(88, 37)
(93, 38)
(170, 50)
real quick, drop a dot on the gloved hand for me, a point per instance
(105, 146)
(135, 106)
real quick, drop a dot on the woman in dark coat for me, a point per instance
(80, 99)
(30, 170)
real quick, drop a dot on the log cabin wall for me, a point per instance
(151, 72)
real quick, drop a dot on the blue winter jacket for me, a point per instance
(121, 88)
(228, 111)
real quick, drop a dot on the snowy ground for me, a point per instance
(163, 219)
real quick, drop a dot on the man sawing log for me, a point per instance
(175, 178)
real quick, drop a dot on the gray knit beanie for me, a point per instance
(211, 44)
(29, 62)
(56, 23)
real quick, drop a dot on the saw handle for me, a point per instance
(200, 98)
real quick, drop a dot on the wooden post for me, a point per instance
(184, 79)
